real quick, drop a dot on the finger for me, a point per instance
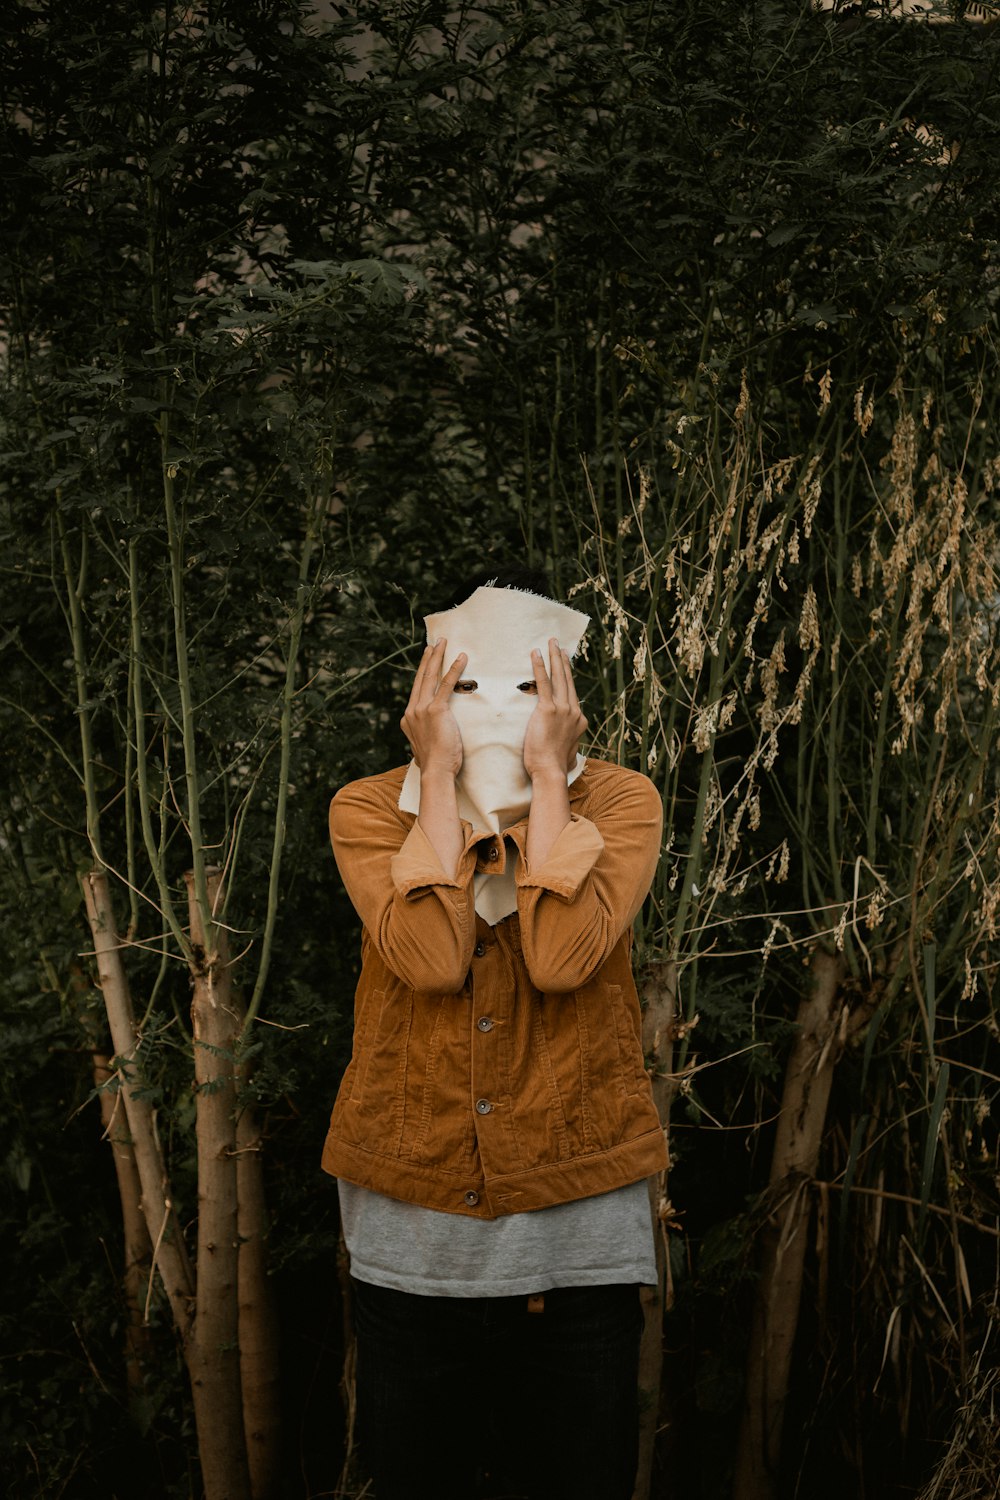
(557, 673)
(432, 673)
(418, 679)
(572, 695)
(452, 675)
(541, 677)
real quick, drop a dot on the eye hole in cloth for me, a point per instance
(528, 687)
(466, 685)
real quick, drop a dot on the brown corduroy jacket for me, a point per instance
(497, 1069)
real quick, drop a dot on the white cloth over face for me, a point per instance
(497, 629)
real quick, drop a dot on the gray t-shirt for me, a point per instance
(590, 1242)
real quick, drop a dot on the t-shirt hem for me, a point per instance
(518, 1286)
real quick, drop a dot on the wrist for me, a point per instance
(551, 773)
(433, 773)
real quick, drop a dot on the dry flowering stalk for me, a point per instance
(810, 489)
(825, 387)
(914, 579)
(864, 411)
(770, 681)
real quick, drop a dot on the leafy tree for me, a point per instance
(304, 318)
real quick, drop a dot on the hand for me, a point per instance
(428, 722)
(555, 727)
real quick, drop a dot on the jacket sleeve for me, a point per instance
(421, 923)
(576, 905)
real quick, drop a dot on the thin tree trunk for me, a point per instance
(258, 1318)
(138, 1247)
(164, 1231)
(659, 991)
(213, 1349)
(348, 1379)
(824, 1023)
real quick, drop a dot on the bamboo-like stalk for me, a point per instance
(835, 710)
(138, 1249)
(824, 1023)
(659, 993)
(154, 852)
(192, 781)
(260, 1371)
(170, 1255)
(74, 594)
(259, 1334)
(313, 524)
(213, 1349)
(348, 1378)
(693, 871)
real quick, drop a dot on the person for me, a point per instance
(494, 1130)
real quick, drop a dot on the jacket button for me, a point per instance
(483, 1106)
(485, 1023)
(494, 852)
(472, 1198)
(479, 949)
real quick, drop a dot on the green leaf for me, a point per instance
(931, 1142)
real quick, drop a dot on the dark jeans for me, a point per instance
(460, 1397)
